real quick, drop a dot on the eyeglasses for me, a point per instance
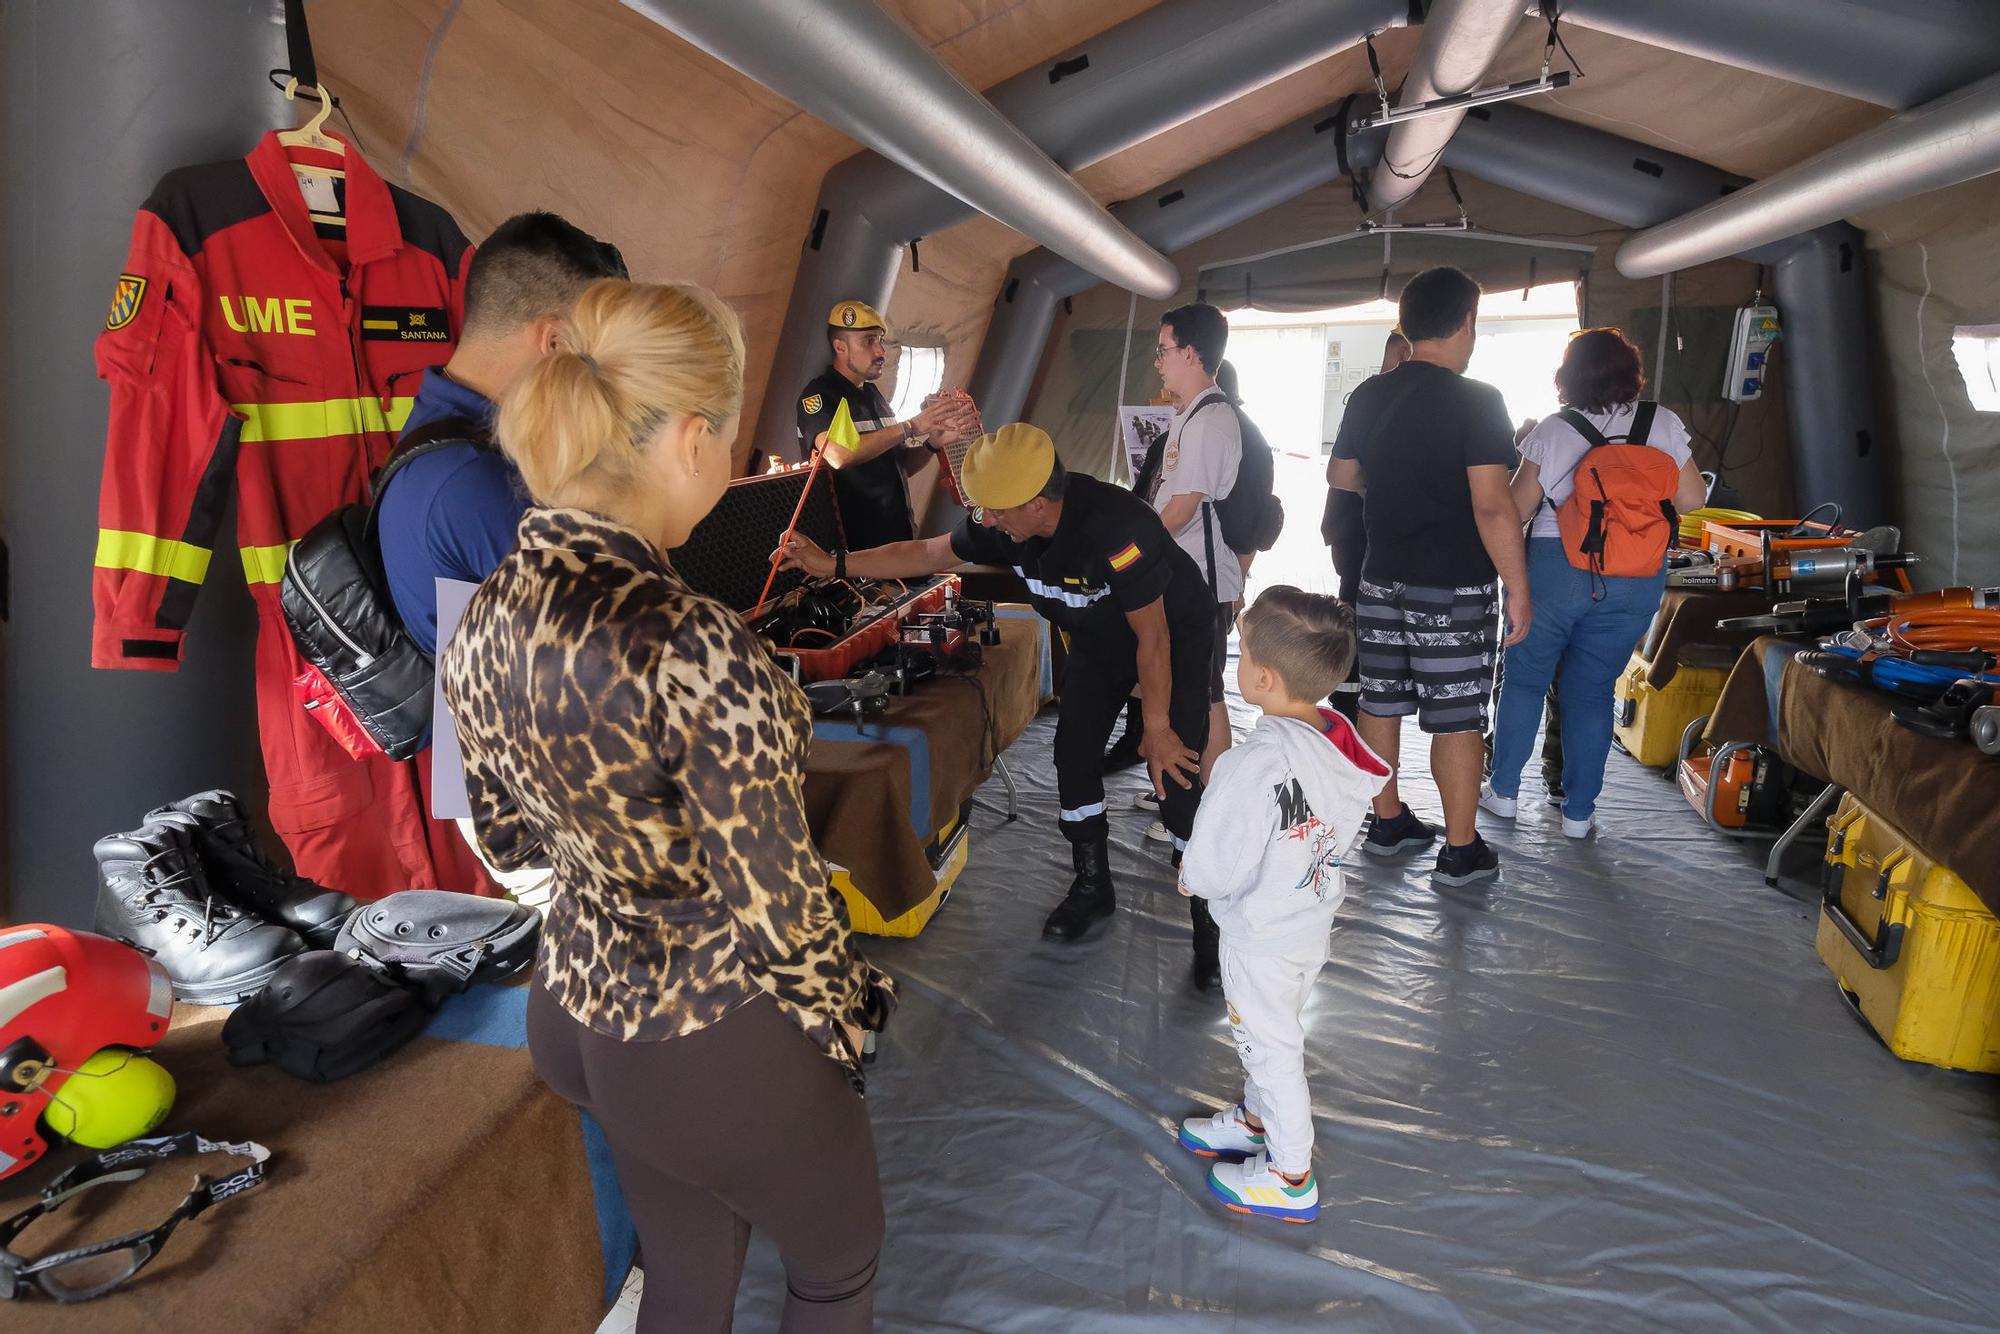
(84, 1272)
(1160, 351)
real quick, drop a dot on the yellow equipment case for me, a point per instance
(1911, 945)
(947, 852)
(1648, 722)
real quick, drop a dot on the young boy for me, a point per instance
(1282, 809)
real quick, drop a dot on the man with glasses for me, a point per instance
(1137, 611)
(869, 483)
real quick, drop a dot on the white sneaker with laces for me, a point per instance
(1157, 833)
(1254, 1186)
(1146, 801)
(1224, 1135)
(1494, 804)
(1579, 828)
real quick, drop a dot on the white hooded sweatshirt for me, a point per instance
(1282, 809)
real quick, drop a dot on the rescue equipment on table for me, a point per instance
(1801, 556)
(74, 1009)
(1619, 519)
(83, 1272)
(1915, 952)
(367, 682)
(1937, 653)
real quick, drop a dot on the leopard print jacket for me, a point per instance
(638, 739)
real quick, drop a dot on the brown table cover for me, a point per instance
(1943, 795)
(1743, 713)
(858, 792)
(444, 1189)
(1685, 623)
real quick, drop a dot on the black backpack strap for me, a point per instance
(432, 436)
(1581, 425)
(1642, 422)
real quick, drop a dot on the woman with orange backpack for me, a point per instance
(1603, 481)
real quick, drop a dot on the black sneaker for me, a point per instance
(1397, 837)
(1553, 782)
(1462, 865)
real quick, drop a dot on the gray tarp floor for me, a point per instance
(1617, 1091)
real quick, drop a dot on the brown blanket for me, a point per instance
(444, 1189)
(858, 791)
(1943, 795)
(1685, 626)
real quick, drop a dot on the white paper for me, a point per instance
(448, 798)
(1142, 424)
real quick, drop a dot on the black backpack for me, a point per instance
(337, 604)
(1251, 515)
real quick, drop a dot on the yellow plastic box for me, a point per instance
(1913, 947)
(948, 850)
(1649, 722)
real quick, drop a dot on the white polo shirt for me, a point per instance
(1203, 451)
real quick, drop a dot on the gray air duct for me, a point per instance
(1953, 139)
(1233, 188)
(912, 109)
(1462, 38)
(1894, 53)
(1156, 70)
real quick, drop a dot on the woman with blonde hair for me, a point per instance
(696, 990)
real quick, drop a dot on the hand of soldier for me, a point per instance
(800, 552)
(1165, 756)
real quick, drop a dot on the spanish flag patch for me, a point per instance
(1124, 559)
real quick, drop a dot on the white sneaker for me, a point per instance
(1224, 1135)
(1146, 801)
(1494, 804)
(1158, 833)
(1253, 1186)
(1579, 828)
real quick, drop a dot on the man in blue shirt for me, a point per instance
(452, 513)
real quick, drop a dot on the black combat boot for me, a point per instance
(153, 895)
(1124, 752)
(1206, 971)
(238, 868)
(1090, 895)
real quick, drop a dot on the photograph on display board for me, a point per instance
(1144, 425)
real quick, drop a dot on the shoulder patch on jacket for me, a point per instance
(125, 300)
(812, 403)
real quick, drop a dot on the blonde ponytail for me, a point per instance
(629, 357)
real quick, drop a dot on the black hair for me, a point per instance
(1435, 303)
(1057, 484)
(533, 267)
(1201, 327)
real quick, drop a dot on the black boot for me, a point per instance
(1206, 971)
(153, 895)
(1090, 896)
(1124, 752)
(252, 881)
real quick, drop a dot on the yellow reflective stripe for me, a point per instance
(314, 421)
(265, 565)
(117, 550)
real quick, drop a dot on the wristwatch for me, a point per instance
(912, 439)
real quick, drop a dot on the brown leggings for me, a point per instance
(738, 1125)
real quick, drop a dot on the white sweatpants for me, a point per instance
(1266, 995)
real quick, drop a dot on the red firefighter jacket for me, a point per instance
(252, 341)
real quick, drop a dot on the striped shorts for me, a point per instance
(1428, 651)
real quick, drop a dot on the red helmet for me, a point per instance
(64, 996)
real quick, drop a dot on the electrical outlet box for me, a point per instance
(1754, 334)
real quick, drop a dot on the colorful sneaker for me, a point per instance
(1494, 804)
(1397, 837)
(1253, 1186)
(1224, 1135)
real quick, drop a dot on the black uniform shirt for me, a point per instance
(1108, 556)
(873, 499)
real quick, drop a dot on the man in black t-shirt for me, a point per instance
(869, 484)
(1138, 611)
(1430, 453)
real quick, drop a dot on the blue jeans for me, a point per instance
(1581, 644)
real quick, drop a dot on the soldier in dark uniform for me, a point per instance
(1137, 610)
(868, 480)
